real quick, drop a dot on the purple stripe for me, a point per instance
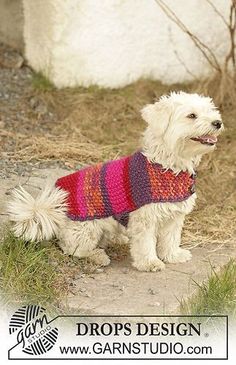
(80, 197)
(105, 195)
(139, 180)
(122, 218)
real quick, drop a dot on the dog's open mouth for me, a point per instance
(207, 139)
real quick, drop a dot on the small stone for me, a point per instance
(33, 102)
(79, 276)
(99, 270)
(84, 292)
(38, 106)
(92, 277)
(41, 109)
(155, 304)
(72, 292)
(54, 263)
(151, 291)
(11, 60)
(119, 287)
(71, 264)
(68, 164)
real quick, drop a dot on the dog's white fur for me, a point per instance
(154, 230)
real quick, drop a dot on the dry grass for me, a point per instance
(58, 147)
(91, 125)
(221, 87)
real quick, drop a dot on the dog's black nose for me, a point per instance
(217, 124)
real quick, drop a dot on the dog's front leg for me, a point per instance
(143, 246)
(169, 239)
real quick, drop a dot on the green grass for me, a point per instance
(216, 296)
(30, 272)
(41, 82)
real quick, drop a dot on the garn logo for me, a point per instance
(33, 329)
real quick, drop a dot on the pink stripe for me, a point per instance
(80, 194)
(114, 180)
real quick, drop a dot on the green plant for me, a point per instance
(29, 272)
(215, 296)
(41, 82)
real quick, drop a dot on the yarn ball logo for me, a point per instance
(34, 331)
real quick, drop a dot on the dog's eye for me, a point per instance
(192, 116)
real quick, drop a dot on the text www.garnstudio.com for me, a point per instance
(135, 348)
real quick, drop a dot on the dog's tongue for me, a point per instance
(208, 138)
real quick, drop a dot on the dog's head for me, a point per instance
(186, 125)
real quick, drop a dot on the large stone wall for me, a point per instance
(112, 43)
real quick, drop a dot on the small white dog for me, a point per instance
(181, 128)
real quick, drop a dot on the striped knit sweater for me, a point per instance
(116, 188)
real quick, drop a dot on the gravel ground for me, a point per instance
(18, 105)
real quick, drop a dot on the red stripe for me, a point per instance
(127, 184)
(69, 183)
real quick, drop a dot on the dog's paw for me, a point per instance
(99, 257)
(181, 255)
(149, 265)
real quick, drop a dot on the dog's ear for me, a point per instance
(158, 115)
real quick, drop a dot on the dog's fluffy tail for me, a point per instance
(37, 218)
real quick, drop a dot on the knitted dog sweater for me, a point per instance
(119, 187)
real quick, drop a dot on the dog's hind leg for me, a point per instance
(113, 232)
(81, 239)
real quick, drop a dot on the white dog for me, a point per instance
(181, 128)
